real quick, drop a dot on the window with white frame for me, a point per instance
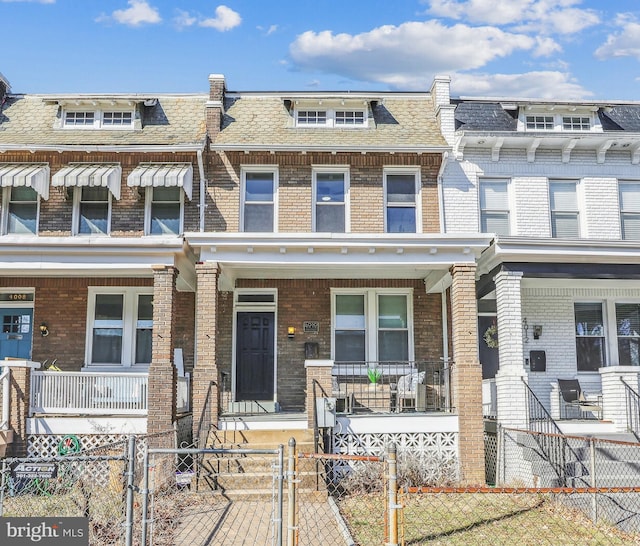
(372, 325)
(259, 200)
(164, 210)
(560, 122)
(92, 210)
(563, 202)
(330, 189)
(343, 118)
(539, 123)
(590, 336)
(120, 326)
(494, 206)
(98, 119)
(628, 332)
(21, 212)
(576, 123)
(402, 201)
(629, 193)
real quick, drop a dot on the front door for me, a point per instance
(255, 355)
(17, 332)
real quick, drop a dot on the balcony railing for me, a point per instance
(93, 393)
(392, 387)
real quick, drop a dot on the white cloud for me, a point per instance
(225, 19)
(546, 46)
(407, 55)
(269, 31)
(625, 43)
(539, 84)
(138, 13)
(183, 19)
(543, 16)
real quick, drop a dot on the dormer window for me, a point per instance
(576, 123)
(566, 120)
(312, 117)
(331, 118)
(117, 118)
(540, 123)
(79, 118)
(98, 119)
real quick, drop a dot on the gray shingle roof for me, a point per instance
(30, 119)
(483, 116)
(621, 118)
(395, 122)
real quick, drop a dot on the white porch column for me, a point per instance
(511, 391)
(614, 399)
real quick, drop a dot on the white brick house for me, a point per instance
(558, 183)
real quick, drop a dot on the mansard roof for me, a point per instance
(396, 122)
(34, 121)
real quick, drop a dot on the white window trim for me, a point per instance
(331, 117)
(580, 204)
(244, 169)
(75, 218)
(6, 196)
(129, 325)
(416, 171)
(594, 121)
(371, 317)
(98, 116)
(510, 202)
(622, 182)
(343, 169)
(148, 200)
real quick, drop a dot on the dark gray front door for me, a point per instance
(16, 333)
(254, 355)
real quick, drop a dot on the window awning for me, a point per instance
(163, 175)
(32, 175)
(90, 174)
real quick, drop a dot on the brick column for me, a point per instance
(205, 373)
(466, 378)
(511, 391)
(318, 374)
(19, 395)
(162, 372)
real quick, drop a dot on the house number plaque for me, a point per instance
(311, 326)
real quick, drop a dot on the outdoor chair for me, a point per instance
(574, 402)
(407, 390)
(344, 399)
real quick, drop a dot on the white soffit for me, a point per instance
(90, 174)
(31, 175)
(163, 175)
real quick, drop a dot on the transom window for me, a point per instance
(21, 214)
(92, 210)
(164, 209)
(494, 207)
(330, 191)
(97, 119)
(372, 325)
(120, 326)
(259, 200)
(331, 118)
(563, 202)
(401, 192)
(630, 210)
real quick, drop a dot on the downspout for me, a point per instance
(203, 187)
(443, 166)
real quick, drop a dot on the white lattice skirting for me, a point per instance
(442, 444)
(46, 445)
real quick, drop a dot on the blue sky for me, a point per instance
(530, 48)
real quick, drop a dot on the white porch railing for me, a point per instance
(183, 394)
(5, 384)
(89, 393)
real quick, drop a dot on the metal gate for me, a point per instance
(212, 496)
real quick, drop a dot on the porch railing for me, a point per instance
(633, 409)
(93, 393)
(392, 386)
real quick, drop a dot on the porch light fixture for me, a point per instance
(44, 329)
(291, 332)
(537, 331)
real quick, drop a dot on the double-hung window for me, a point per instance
(259, 200)
(630, 210)
(93, 210)
(372, 325)
(402, 201)
(120, 325)
(628, 330)
(330, 189)
(164, 210)
(494, 207)
(563, 202)
(21, 210)
(590, 336)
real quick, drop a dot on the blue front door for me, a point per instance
(16, 333)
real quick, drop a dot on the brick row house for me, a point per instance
(558, 290)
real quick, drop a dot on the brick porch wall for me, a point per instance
(467, 374)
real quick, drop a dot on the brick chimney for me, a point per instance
(215, 104)
(440, 95)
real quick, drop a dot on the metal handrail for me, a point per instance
(633, 409)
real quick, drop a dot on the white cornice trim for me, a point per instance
(324, 148)
(144, 148)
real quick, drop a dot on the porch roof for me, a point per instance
(345, 256)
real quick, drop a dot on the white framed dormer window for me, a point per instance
(259, 199)
(97, 119)
(164, 210)
(20, 215)
(372, 325)
(494, 206)
(91, 210)
(563, 204)
(331, 117)
(119, 327)
(331, 199)
(402, 200)
(629, 196)
(570, 120)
